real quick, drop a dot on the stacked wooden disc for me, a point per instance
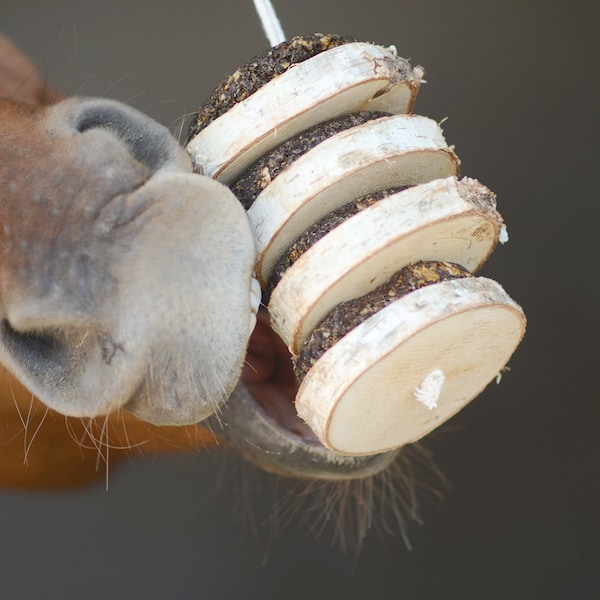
(366, 239)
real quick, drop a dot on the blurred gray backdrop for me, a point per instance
(518, 82)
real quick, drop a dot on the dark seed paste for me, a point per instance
(348, 315)
(258, 176)
(258, 71)
(322, 227)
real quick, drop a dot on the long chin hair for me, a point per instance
(343, 512)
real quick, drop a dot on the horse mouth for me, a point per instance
(269, 377)
(260, 421)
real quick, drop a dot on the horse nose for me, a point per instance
(125, 279)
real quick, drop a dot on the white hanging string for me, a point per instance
(270, 22)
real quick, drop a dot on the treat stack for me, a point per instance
(366, 238)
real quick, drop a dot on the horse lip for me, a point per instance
(244, 424)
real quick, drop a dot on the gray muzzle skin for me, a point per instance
(125, 279)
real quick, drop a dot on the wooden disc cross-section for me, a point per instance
(387, 152)
(349, 78)
(445, 219)
(336, 224)
(365, 394)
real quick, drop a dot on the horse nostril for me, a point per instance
(38, 352)
(148, 142)
(57, 364)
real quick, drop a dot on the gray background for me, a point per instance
(518, 83)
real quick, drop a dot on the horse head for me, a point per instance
(126, 283)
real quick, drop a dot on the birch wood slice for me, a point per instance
(388, 152)
(350, 78)
(445, 220)
(372, 391)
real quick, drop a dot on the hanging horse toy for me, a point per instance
(297, 283)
